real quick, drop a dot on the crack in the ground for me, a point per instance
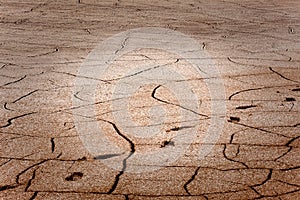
(276, 195)
(243, 64)
(9, 121)
(282, 75)
(253, 187)
(136, 73)
(288, 151)
(77, 97)
(232, 160)
(7, 187)
(296, 90)
(28, 168)
(166, 102)
(185, 186)
(107, 156)
(16, 81)
(264, 35)
(237, 151)
(2, 164)
(269, 176)
(178, 128)
(244, 107)
(18, 99)
(78, 76)
(30, 180)
(291, 141)
(254, 190)
(132, 151)
(33, 196)
(246, 90)
(122, 45)
(17, 179)
(132, 146)
(6, 108)
(254, 89)
(117, 178)
(26, 95)
(142, 71)
(52, 145)
(86, 105)
(259, 128)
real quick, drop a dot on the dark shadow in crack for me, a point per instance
(106, 156)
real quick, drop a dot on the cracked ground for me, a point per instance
(256, 47)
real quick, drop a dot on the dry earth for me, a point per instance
(256, 46)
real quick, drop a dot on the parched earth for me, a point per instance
(255, 45)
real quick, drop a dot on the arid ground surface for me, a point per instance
(254, 44)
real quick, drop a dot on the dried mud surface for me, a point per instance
(256, 45)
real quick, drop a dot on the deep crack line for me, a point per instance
(6, 108)
(244, 107)
(30, 180)
(6, 162)
(254, 89)
(291, 141)
(26, 95)
(266, 180)
(28, 168)
(288, 151)
(12, 82)
(52, 145)
(117, 178)
(18, 99)
(185, 186)
(33, 196)
(232, 160)
(132, 150)
(9, 121)
(246, 90)
(166, 102)
(132, 146)
(254, 190)
(282, 75)
(243, 64)
(7, 187)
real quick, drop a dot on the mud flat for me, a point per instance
(255, 45)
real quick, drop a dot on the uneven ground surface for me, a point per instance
(255, 45)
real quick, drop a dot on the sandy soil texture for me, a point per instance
(44, 154)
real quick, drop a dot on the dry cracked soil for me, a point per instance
(255, 45)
